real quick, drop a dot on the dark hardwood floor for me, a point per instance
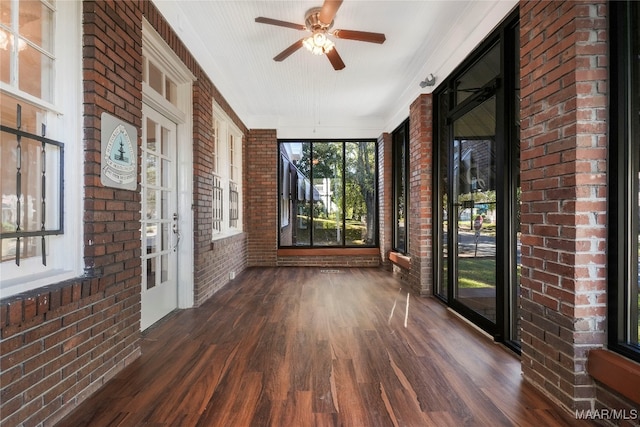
(317, 347)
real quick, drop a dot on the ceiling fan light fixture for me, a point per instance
(319, 22)
(318, 43)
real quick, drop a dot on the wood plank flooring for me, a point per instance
(315, 347)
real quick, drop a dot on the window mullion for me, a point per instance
(344, 194)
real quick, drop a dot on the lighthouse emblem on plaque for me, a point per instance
(119, 153)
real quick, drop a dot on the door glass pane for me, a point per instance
(151, 272)
(166, 178)
(165, 142)
(152, 172)
(166, 199)
(327, 207)
(476, 211)
(152, 233)
(151, 135)
(165, 237)
(164, 261)
(151, 206)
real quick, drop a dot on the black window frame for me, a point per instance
(400, 153)
(447, 108)
(624, 167)
(343, 244)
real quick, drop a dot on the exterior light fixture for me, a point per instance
(429, 81)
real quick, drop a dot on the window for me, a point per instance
(40, 117)
(217, 203)
(624, 185)
(327, 193)
(26, 47)
(226, 176)
(234, 178)
(400, 187)
(159, 82)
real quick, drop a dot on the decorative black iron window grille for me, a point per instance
(217, 205)
(30, 212)
(234, 213)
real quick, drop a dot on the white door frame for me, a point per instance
(156, 49)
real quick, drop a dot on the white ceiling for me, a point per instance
(303, 96)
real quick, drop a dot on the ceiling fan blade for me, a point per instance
(279, 23)
(329, 10)
(362, 36)
(288, 51)
(335, 59)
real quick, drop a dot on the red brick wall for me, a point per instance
(563, 165)
(385, 197)
(214, 261)
(421, 194)
(59, 343)
(216, 266)
(261, 195)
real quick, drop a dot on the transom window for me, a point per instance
(159, 81)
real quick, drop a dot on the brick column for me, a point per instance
(261, 197)
(563, 159)
(385, 197)
(421, 194)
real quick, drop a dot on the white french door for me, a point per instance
(159, 219)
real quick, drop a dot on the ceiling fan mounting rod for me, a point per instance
(313, 23)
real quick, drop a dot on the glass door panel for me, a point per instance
(159, 217)
(475, 209)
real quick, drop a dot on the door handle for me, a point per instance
(176, 232)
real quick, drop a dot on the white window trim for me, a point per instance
(226, 129)
(63, 120)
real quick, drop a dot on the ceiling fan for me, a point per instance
(319, 21)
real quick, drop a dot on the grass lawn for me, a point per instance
(476, 272)
(324, 231)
